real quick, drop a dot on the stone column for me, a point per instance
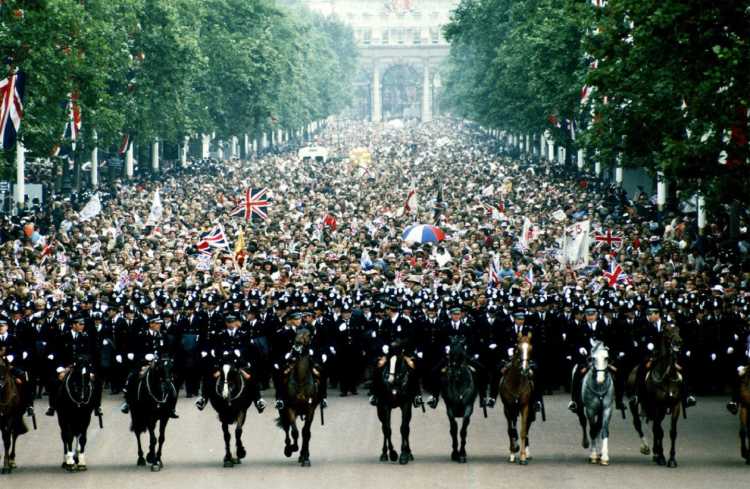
(377, 114)
(206, 146)
(426, 94)
(129, 166)
(618, 172)
(95, 162)
(701, 213)
(155, 155)
(21, 174)
(184, 152)
(661, 190)
(598, 168)
(579, 160)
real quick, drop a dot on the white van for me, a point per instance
(317, 153)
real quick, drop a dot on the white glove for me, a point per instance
(569, 357)
(342, 327)
(493, 346)
(105, 342)
(287, 356)
(741, 370)
(510, 352)
(386, 349)
(730, 350)
(149, 357)
(236, 353)
(10, 358)
(24, 356)
(650, 347)
(582, 351)
(213, 352)
(50, 357)
(736, 337)
(687, 353)
(420, 355)
(204, 354)
(713, 356)
(447, 349)
(118, 358)
(620, 355)
(324, 357)
(374, 334)
(130, 356)
(564, 336)
(332, 349)
(476, 356)
(60, 369)
(635, 344)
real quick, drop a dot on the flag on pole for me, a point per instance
(329, 220)
(410, 205)
(11, 108)
(616, 275)
(613, 241)
(154, 216)
(240, 253)
(254, 203)
(214, 238)
(494, 276)
(575, 246)
(124, 145)
(92, 208)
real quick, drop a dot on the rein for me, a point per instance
(150, 392)
(75, 401)
(239, 393)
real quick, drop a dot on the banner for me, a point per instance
(91, 209)
(575, 245)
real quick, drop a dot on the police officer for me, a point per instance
(234, 342)
(15, 354)
(75, 344)
(147, 345)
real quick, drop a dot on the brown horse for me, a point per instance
(516, 392)
(745, 413)
(662, 395)
(302, 383)
(11, 415)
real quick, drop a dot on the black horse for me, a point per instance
(458, 386)
(11, 415)
(302, 384)
(661, 395)
(394, 383)
(77, 397)
(152, 399)
(231, 395)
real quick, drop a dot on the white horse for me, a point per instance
(597, 394)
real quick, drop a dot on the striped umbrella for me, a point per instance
(423, 233)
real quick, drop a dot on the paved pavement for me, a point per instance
(344, 454)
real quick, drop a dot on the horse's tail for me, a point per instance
(281, 422)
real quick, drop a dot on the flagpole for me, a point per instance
(20, 174)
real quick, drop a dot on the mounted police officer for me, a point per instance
(235, 343)
(15, 354)
(593, 329)
(76, 343)
(147, 345)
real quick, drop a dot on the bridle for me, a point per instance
(85, 382)
(226, 369)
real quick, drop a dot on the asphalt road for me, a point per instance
(345, 452)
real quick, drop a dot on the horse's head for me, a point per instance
(671, 342)
(456, 351)
(4, 373)
(162, 367)
(397, 368)
(600, 361)
(523, 352)
(302, 341)
(228, 380)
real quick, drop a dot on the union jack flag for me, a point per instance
(11, 108)
(616, 275)
(494, 272)
(614, 242)
(254, 203)
(215, 238)
(124, 145)
(72, 126)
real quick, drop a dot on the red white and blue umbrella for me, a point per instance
(423, 233)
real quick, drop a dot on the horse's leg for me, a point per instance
(67, 438)
(744, 434)
(162, 437)
(384, 413)
(582, 422)
(464, 432)
(295, 434)
(227, 441)
(638, 425)
(454, 435)
(510, 418)
(151, 455)
(604, 435)
(12, 457)
(141, 461)
(6, 451)
(241, 453)
(82, 450)
(673, 434)
(406, 455)
(659, 439)
(524, 434)
(306, 434)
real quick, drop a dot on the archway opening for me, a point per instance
(402, 92)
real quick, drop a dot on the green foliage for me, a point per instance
(673, 80)
(170, 68)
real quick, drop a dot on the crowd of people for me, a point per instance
(124, 288)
